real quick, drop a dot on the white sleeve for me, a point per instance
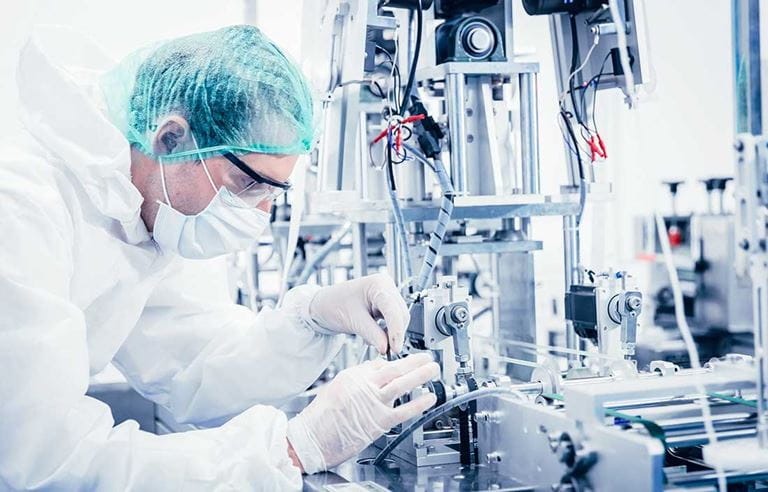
(52, 436)
(208, 361)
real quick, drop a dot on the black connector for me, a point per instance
(544, 7)
(428, 132)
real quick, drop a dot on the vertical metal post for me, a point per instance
(749, 175)
(746, 59)
(571, 255)
(455, 92)
(529, 132)
(493, 260)
(758, 271)
(393, 253)
(359, 250)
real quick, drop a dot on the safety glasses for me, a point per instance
(258, 188)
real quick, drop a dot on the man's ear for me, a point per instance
(172, 135)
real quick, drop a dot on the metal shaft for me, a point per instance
(455, 92)
(529, 132)
(572, 271)
(747, 76)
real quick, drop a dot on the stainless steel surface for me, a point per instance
(401, 477)
(517, 307)
(473, 207)
(524, 436)
(444, 70)
(485, 247)
(724, 300)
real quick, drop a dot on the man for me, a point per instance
(178, 151)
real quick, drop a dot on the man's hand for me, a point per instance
(355, 306)
(355, 409)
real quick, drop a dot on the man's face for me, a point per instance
(188, 186)
(190, 191)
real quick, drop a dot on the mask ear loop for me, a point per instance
(162, 180)
(205, 167)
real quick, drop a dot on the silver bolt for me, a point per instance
(460, 314)
(634, 303)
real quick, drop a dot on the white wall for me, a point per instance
(119, 26)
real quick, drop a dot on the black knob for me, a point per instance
(673, 186)
(716, 183)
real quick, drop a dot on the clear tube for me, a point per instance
(545, 349)
(690, 346)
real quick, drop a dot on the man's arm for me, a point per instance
(53, 436)
(207, 361)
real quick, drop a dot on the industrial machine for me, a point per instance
(717, 301)
(430, 155)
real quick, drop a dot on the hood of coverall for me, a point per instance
(62, 107)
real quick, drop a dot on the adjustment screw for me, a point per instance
(460, 314)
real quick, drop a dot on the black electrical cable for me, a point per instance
(385, 51)
(575, 59)
(379, 88)
(415, 61)
(571, 133)
(407, 133)
(594, 96)
(596, 81)
(390, 165)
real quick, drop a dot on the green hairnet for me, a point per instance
(239, 92)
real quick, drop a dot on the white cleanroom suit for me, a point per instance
(81, 284)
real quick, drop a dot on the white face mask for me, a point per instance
(226, 225)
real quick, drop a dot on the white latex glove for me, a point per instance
(355, 306)
(355, 409)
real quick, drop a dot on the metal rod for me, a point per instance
(572, 271)
(360, 250)
(747, 83)
(529, 132)
(493, 260)
(455, 92)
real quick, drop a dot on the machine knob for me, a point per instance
(479, 40)
(719, 184)
(673, 186)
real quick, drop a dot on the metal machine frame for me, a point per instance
(572, 430)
